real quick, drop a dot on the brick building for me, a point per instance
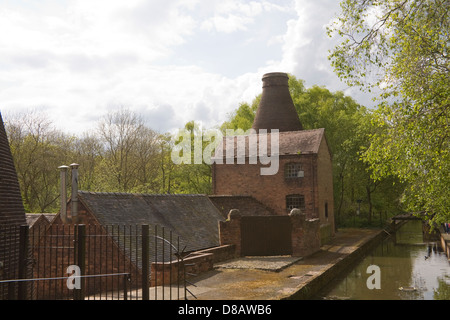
(303, 178)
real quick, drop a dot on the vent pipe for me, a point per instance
(74, 212)
(63, 175)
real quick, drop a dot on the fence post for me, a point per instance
(145, 262)
(23, 261)
(81, 255)
(125, 286)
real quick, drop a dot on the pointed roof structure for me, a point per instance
(276, 109)
(12, 211)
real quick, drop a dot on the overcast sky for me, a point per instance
(171, 61)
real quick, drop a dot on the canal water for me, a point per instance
(410, 268)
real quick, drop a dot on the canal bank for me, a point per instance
(445, 241)
(284, 278)
(411, 264)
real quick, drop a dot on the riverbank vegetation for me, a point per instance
(400, 49)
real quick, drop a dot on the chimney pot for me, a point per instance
(74, 167)
(63, 176)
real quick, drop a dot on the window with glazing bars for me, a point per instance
(293, 170)
(295, 201)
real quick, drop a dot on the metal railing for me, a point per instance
(113, 262)
(77, 295)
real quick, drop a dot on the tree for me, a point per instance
(128, 154)
(193, 177)
(87, 151)
(38, 149)
(401, 49)
(242, 117)
(167, 167)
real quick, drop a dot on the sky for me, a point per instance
(170, 61)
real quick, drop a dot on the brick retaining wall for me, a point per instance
(195, 264)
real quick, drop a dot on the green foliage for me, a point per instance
(442, 292)
(401, 49)
(347, 128)
(243, 117)
(38, 150)
(194, 178)
(123, 155)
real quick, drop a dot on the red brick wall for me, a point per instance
(54, 252)
(305, 234)
(325, 189)
(230, 231)
(197, 263)
(271, 190)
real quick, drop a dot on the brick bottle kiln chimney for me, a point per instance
(12, 216)
(276, 109)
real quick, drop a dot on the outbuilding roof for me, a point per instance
(247, 205)
(192, 217)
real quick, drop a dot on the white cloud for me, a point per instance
(228, 24)
(172, 60)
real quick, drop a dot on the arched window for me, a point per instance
(295, 201)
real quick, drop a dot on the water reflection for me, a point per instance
(410, 269)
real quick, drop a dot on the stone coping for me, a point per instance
(267, 263)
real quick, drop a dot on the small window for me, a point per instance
(293, 170)
(326, 210)
(295, 201)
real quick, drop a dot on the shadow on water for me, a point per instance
(410, 268)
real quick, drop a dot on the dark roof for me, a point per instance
(290, 143)
(49, 216)
(11, 206)
(276, 109)
(247, 205)
(32, 218)
(192, 217)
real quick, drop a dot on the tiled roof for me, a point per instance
(290, 143)
(12, 212)
(11, 205)
(247, 205)
(192, 217)
(33, 217)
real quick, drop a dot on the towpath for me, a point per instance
(283, 277)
